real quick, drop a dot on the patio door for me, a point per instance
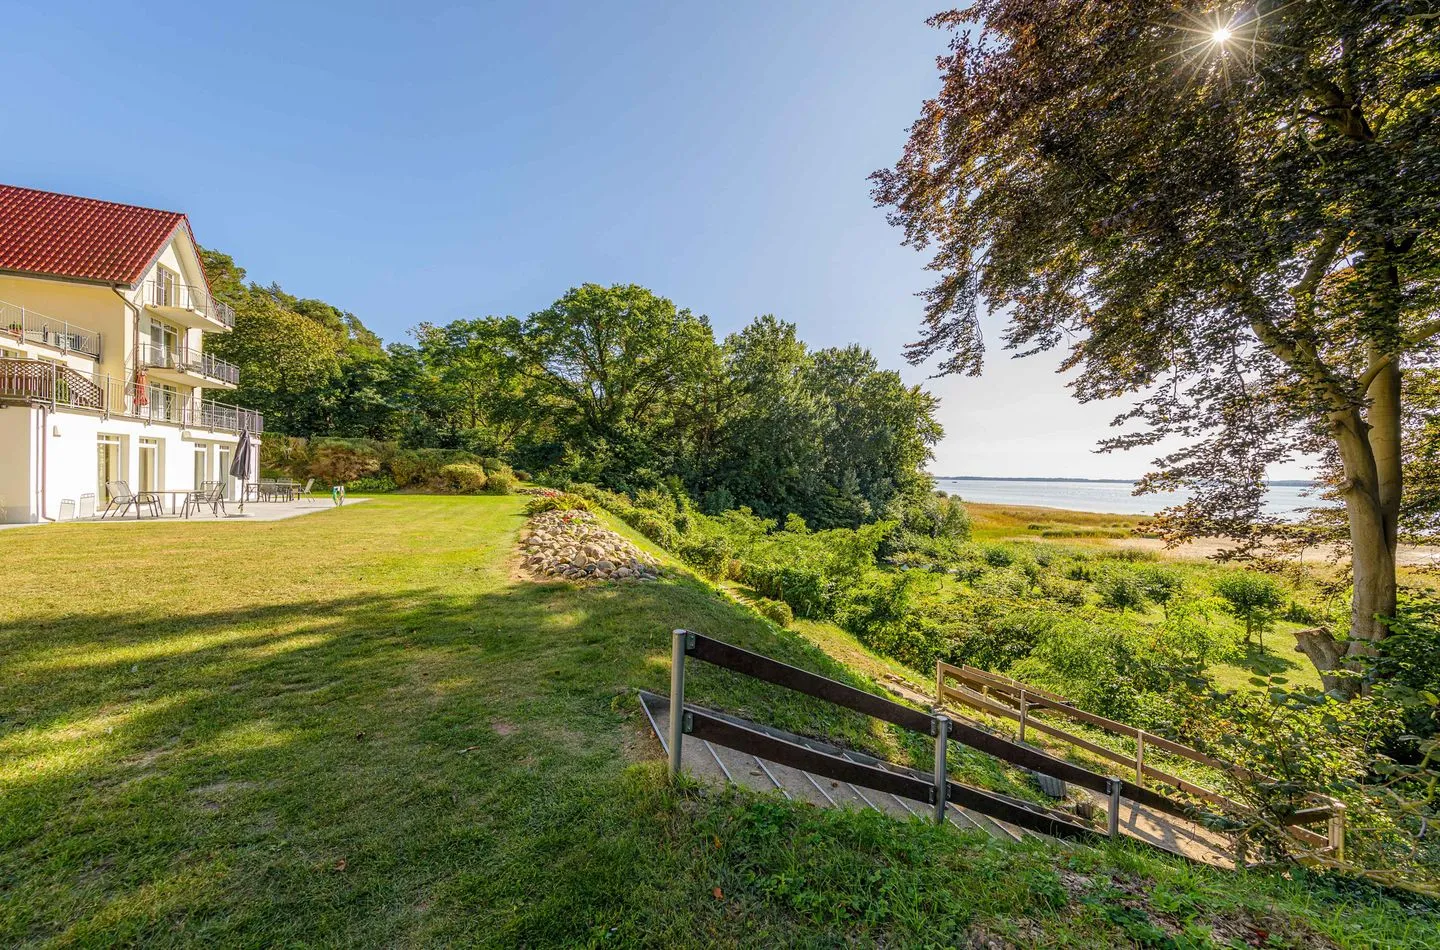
(164, 345)
(224, 458)
(201, 457)
(107, 458)
(149, 473)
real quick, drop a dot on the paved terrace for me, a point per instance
(254, 511)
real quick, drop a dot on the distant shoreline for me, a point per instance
(1286, 482)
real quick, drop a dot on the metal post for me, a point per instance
(1140, 757)
(677, 699)
(942, 775)
(1114, 788)
(1024, 714)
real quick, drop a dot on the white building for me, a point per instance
(103, 374)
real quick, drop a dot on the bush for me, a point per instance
(561, 502)
(997, 556)
(1121, 590)
(500, 482)
(372, 484)
(336, 463)
(711, 556)
(1252, 599)
(522, 475)
(462, 478)
(776, 611)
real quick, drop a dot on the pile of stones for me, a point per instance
(573, 545)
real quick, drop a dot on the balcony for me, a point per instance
(183, 365)
(60, 387)
(24, 325)
(187, 304)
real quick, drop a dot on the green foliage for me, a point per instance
(776, 611)
(462, 478)
(561, 502)
(371, 485)
(336, 463)
(1253, 599)
(500, 482)
(1121, 590)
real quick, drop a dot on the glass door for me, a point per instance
(201, 456)
(149, 474)
(224, 474)
(107, 470)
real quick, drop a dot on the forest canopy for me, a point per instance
(612, 385)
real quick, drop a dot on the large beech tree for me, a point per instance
(1226, 211)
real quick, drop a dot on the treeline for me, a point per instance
(614, 386)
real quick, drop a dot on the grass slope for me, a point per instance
(361, 727)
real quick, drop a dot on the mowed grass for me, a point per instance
(360, 727)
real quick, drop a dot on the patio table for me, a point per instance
(172, 492)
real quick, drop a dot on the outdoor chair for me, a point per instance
(87, 505)
(306, 492)
(67, 510)
(213, 496)
(122, 499)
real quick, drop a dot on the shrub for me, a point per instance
(462, 478)
(776, 611)
(711, 556)
(336, 463)
(997, 555)
(561, 502)
(372, 484)
(1252, 599)
(522, 475)
(1121, 590)
(500, 482)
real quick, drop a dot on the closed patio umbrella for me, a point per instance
(246, 463)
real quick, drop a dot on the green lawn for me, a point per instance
(359, 727)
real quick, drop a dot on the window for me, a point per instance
(149, 474)
(108, 455)
(167, 287)
(164, 346)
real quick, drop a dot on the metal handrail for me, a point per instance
(28, 326)
(58, 385)
(159, 293)
(182, 358)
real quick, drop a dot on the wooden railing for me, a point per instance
(1003, 697)
(936, 790)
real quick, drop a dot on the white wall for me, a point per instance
(71, 445)
(17, 464)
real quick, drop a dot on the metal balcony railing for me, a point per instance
(26, 326)
(166, 293)
(39, 381)
(185, 360)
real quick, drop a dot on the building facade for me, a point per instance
(104, 377)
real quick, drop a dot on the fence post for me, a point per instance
(942, 775)
(1337, 830)
(1024, 714)
(1114, 816)
(1140, 757)
(677, 698)
(939, 683)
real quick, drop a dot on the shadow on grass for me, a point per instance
(213, 770)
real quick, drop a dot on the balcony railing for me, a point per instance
(165, 293)
(26, 326)
(61, 386)
(185, 360)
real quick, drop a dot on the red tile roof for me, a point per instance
(54, 235)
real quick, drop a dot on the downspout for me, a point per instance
(135, 329)
(44, 458)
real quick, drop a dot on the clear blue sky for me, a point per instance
(415, 162)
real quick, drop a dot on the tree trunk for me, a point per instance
(1370, 455)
